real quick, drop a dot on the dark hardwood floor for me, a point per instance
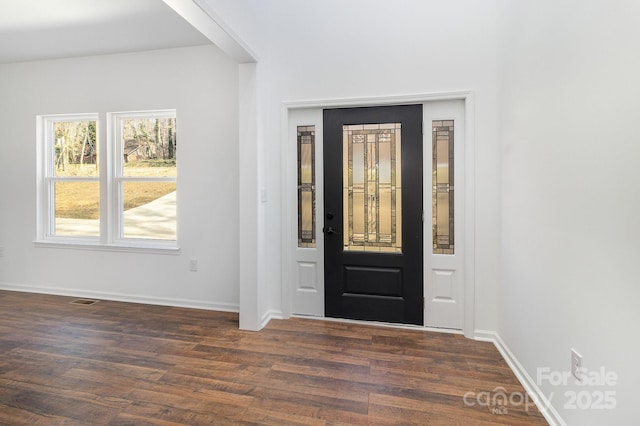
(117, 363)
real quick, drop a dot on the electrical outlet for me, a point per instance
(193, 265)
(576, 365)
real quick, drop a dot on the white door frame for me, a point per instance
(469, 182)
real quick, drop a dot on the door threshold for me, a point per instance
(381, 324)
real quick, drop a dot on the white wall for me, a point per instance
(570, 186)
(201, 83)
(337, 49)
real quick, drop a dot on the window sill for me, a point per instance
(137, 247)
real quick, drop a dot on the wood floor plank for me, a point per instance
(118, 364)
(175, 404)
(275, 417)
(54, 405)
(318, 400)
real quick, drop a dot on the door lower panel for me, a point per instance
(373, 281)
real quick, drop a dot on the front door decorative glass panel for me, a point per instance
(372, 187)
(442, 137)
(306, 186)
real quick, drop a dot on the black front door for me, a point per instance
(373, 213)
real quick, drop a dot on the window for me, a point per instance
(372, 187)
(145, 175)
(306, 186)
(71, 184)
(116, 191)
(443, 189)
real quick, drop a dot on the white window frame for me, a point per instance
(47, 178)
(116, 200)
(110, 179)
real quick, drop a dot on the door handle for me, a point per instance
(330, 231)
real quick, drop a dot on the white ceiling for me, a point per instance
(46, 29)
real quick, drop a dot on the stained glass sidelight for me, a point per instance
(443, 189)
(372, 188)
(306, 186)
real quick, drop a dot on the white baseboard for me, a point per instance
(485, 335)
(542, 402)
(120, 297)
(268, 316)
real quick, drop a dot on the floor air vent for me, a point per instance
(84, 302)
